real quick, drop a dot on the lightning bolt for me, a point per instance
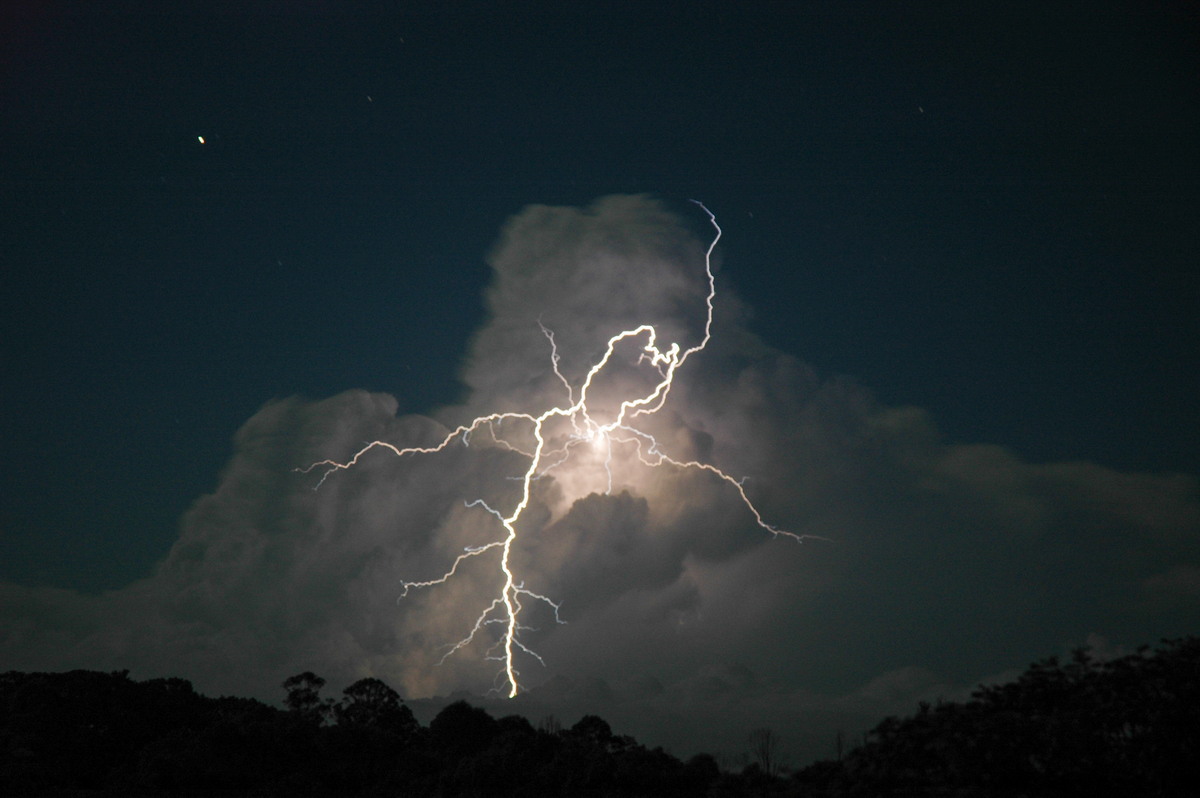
(505, 609)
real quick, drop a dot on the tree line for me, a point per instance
(92, 733)
(1128, 726)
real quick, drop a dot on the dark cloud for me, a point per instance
(686, 623)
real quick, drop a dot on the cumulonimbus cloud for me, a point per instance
(959, 558)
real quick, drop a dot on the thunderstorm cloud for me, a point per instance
(933, 565)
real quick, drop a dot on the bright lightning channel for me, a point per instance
(505, 609)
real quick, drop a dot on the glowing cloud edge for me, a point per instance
(506, 608)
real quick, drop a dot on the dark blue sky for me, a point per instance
(987, 214)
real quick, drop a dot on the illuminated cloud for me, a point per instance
(944, 562)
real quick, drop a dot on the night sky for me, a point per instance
(957, 324)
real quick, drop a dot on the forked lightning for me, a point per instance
(505, 609)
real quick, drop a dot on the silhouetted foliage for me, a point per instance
(1128, 726)
(462, 729)
(304, 697)
(371, 703)
(593, 728)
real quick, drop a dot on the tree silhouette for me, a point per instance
(594, 730)
(764, 750)
(371, 703)
(304, 697)
(461, 729)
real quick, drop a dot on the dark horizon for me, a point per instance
(1061, 728)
